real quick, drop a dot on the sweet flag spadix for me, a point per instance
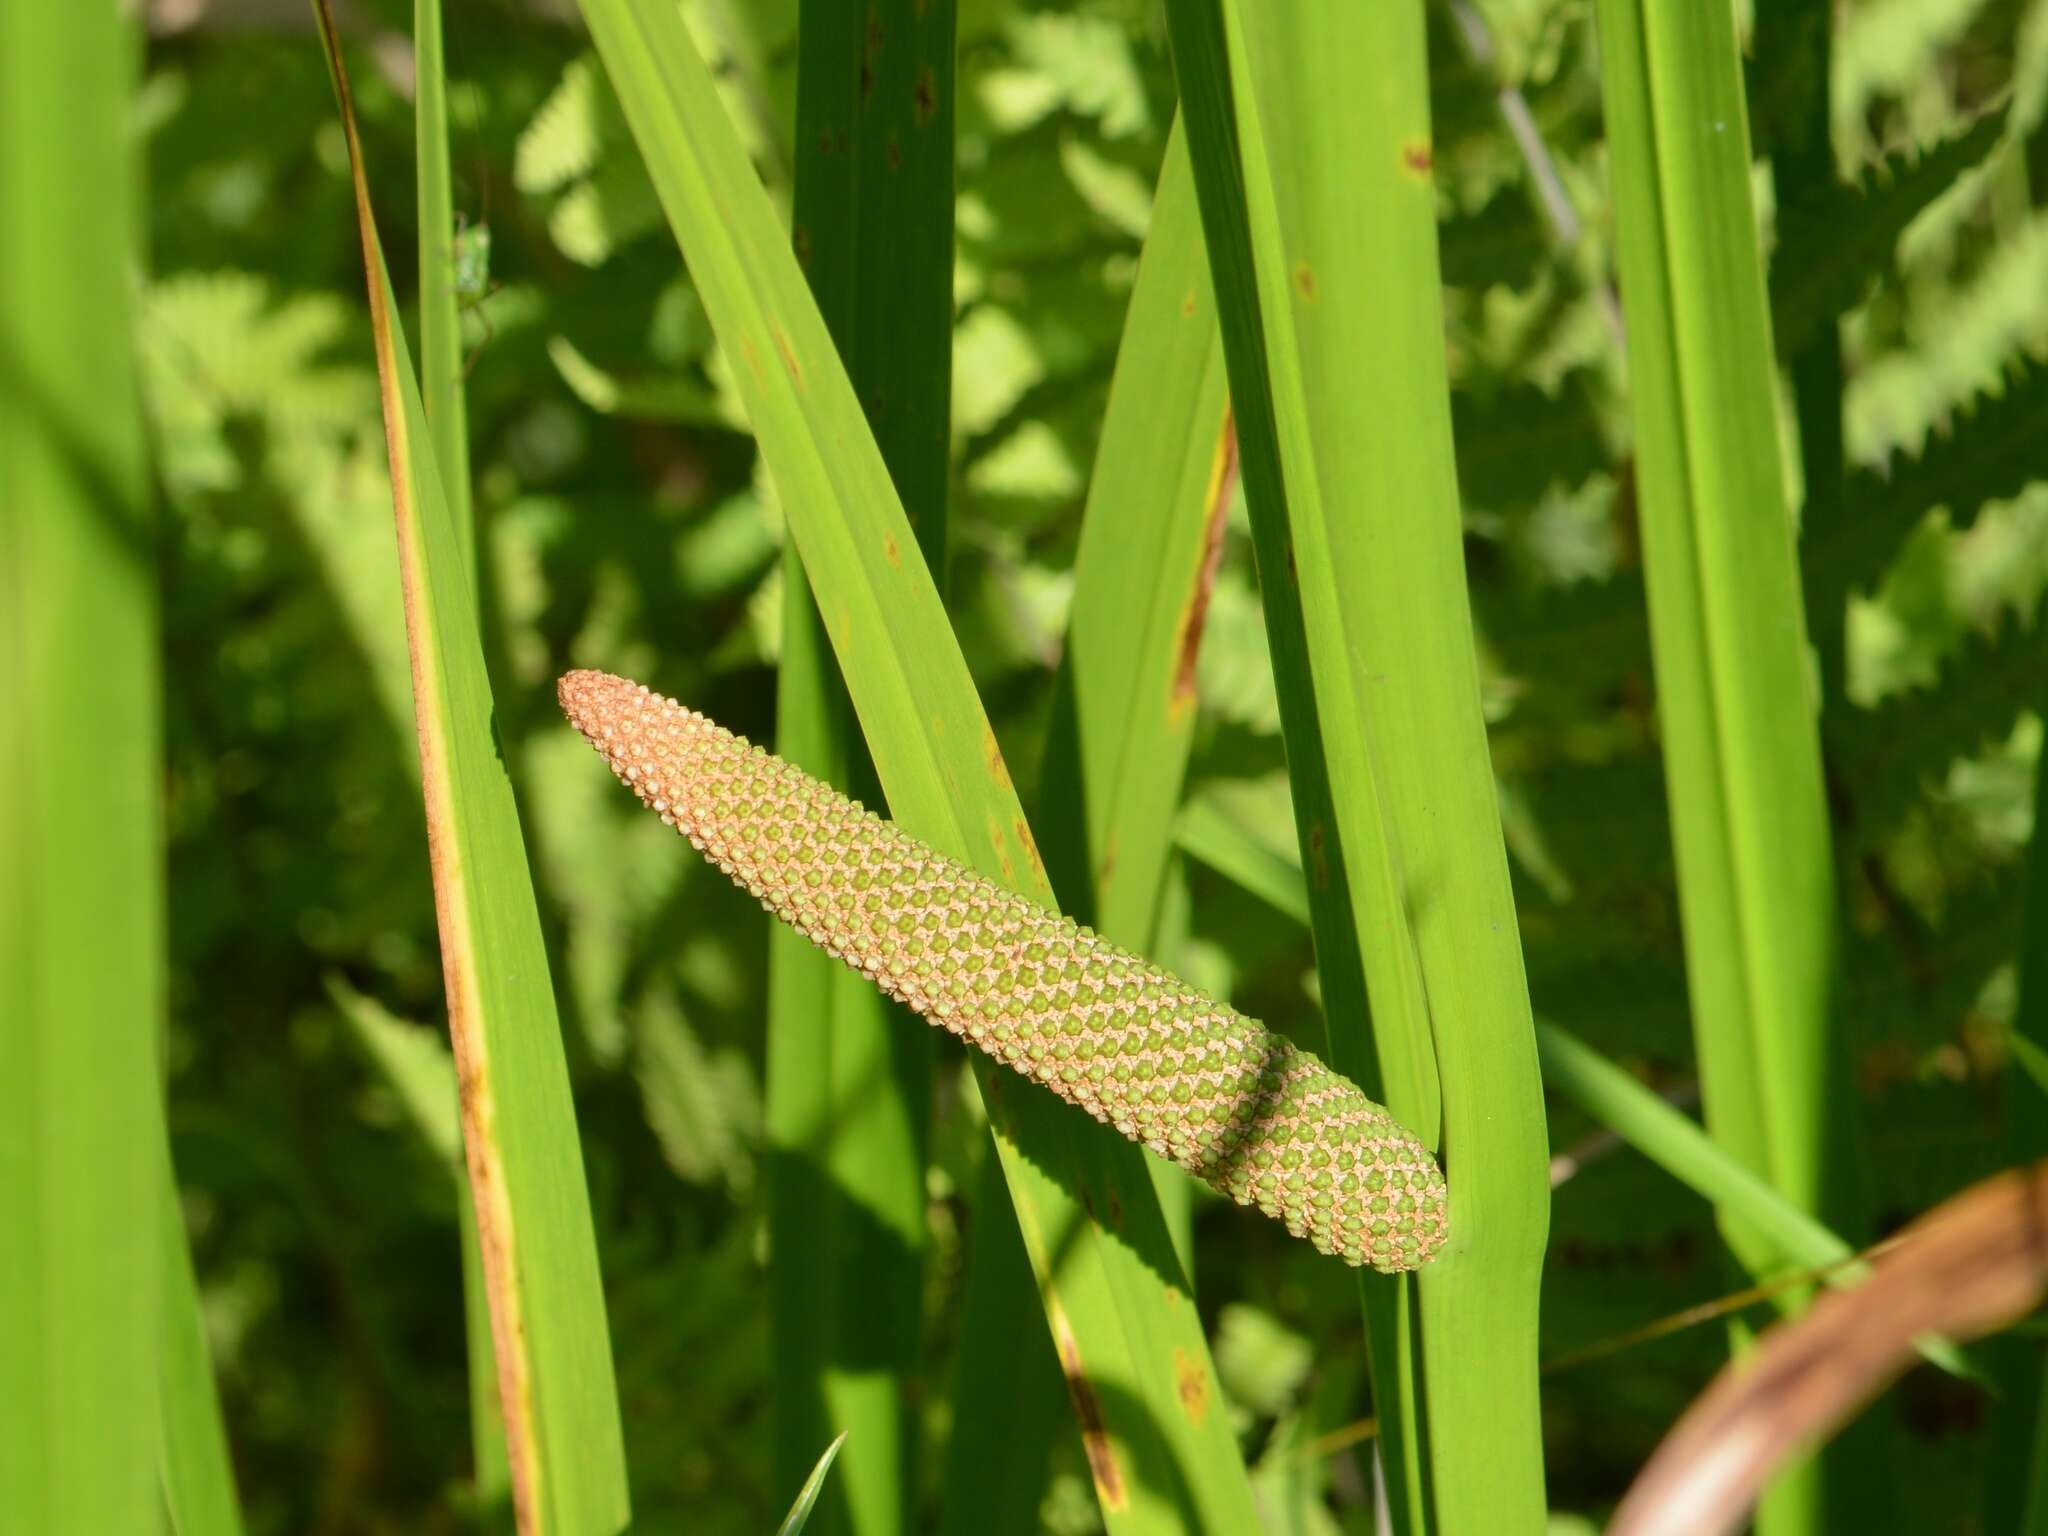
(1226, 1098)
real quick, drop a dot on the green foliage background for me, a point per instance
(624, 524)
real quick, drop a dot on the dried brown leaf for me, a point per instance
(1971, 1266)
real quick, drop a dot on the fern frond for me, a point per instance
(597, 216)
(1992, 452)
(1832, 247)
(1889, 755)
(1883, 46)
(569, 132)
(1517, 440)
(1910, 976)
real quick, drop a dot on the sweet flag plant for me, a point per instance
(1226, 1098)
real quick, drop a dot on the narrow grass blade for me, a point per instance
(1125, 714)
(1320, 261)
(446, 403)
(537, 1240)
(198, 1473)
(1736, 707)
(1741, 748)
(799, 1515)
(1678, 1146)
(1131, 1345)
(849, 1079)
(441, 360)
(1672, 1141)
(81, 897)
(1165, 470)
(1208, 832)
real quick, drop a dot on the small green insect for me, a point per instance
(1227, 1099)
(470, 256)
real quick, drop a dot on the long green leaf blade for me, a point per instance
(441, 365)
(1131, 1346)
(1728, 632)
(1123, 723)
(1643, 1120)
(1208, 92)
(1165, 470)
(446, 403)
(1322, 261)
(519, 1131)
(82, 1191)
(849, 1077)
(1741, 749)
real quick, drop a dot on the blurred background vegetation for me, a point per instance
(625, 525)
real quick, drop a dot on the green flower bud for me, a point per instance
(1220, 1094)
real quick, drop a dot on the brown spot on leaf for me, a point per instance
(1191, 305)
(895, 153)
(1318, 857)
(924, 96)
(1416, 157)
(891, 553)
(789, 357)
(1102, 1464)
(1030, 848)
(1191, 1382)
(1001, 844)
(1105, 869)
(1305, 281)
(992, 754)
(494, 1220)
(1195, 612)
(871, 44)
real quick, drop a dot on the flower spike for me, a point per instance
(1226, 1098)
